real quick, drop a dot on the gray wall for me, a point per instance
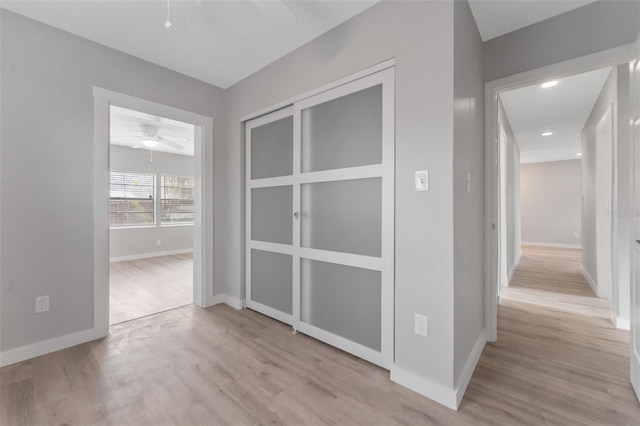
(47, 168)
(468, 207)
(514, 240)
(551, 206)
(616, 90)
(592, 28)
(589, 213)
(419, 35)
(141, 241)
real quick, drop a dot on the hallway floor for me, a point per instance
(558, 358)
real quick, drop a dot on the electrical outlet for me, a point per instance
(421, 326)
(575, 235)
(158, 242)
(42, 304)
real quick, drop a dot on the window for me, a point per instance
(176, 199)
(131, 198)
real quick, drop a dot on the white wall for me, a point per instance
(140, 242)
(598, 26)
(47, 77)
(419, 35)
(468, 207)
(550, 195)
(514, 240)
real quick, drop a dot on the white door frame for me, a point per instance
(605, 141)
(203, 198)
(606, 58)
(635, 222)
(382, 73)
(503, 232)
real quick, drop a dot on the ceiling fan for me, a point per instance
(149, 137)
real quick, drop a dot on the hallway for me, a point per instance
(558, 359)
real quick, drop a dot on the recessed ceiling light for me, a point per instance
(579, 154)
(547, 133)
(549, 84)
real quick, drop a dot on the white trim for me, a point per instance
(33, 350)
(557, 245)
(605, 58)
(590, 280)
(234, 302)
(272, 247)
(352, 77)
(362, 172)
(150, 255)
(469, 367)
(339, 258)
(203, 197)
(512, 271)
(623, 324)
(425, 387)
(361, 351)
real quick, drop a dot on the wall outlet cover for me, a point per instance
(421, 325)
(42, 304)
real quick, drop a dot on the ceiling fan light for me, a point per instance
(149, 143)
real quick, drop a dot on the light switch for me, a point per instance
(422, 180)
(468, 181)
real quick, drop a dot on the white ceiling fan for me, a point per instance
(149, 137)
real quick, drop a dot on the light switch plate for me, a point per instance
(422, 180)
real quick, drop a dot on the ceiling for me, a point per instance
(219, 42)
(498, 17)
(562, 110)
(125, 130)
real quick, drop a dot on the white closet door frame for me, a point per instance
(385, 264)
(386, 170)
(262, 245)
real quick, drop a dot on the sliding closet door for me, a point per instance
(269, 215)
(343, 241)
(320, 216)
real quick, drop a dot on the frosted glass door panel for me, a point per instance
(342, 300)
(271, 214)
(272, 149)
(271, 282)
(344, 216)
(344, 132)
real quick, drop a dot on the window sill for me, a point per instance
(175, 225)
(133, 227)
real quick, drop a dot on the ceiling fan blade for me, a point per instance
(175, 138)
(169, 143)
(126, 136)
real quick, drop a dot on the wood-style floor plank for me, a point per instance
(558, 361)
(142, 287)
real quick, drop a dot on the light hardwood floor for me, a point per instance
(191, 366)
(147, 286)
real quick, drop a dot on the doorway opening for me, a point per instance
(555, 186)
(151, 214)
(171, 208)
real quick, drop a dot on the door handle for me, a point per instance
(296, 215)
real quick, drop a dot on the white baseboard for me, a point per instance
(514, 266)
(558, 245)
(425, 387)
(589, 279)
(469, 367)
(234, 302)
(623, 324)
(33, 350)
(148, 255)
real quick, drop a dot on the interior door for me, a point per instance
(320, 216)
(269, 220)
(635, 284)
(344, 139)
